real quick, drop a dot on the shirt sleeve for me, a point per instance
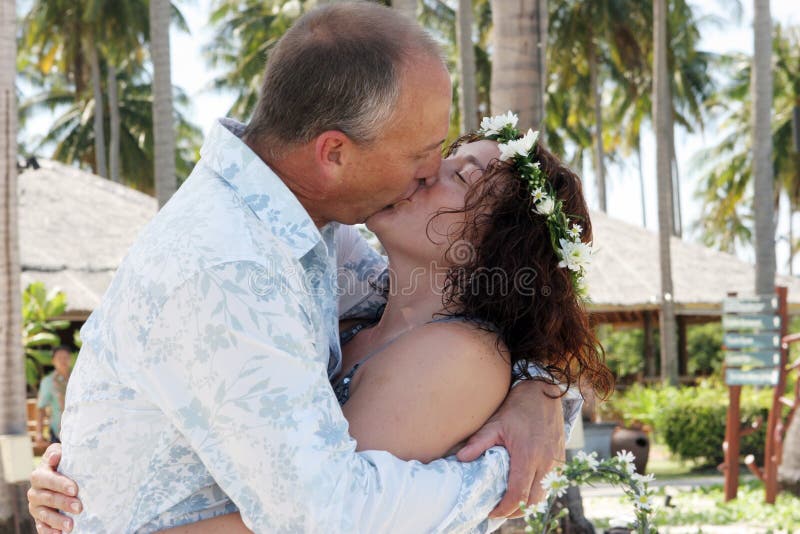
(362, 275)
(235, 369)
(571, 402)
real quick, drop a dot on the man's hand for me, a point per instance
(51, 492)
(530, 425)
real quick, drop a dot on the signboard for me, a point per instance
(751, 322)
(762, 304)
(764, 376)
(752, 340)
(733, 340)
(752, 359)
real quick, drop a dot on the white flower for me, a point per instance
(545, 206)
(627, 458)
(518, 147)
(291, 8)
(575, 231)
(555, 484)
(493, 125)
(643, 502)
(590, 459)
(538, 194)
(575, 256)
(535, 165)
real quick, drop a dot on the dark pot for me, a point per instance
(633, 440)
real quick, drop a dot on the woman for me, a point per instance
(486, 271)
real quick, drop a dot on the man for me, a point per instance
(51, 395)
(202, 386)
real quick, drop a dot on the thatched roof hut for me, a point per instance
(624, 276)
(74, 230)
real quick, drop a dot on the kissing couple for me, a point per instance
(256, 366)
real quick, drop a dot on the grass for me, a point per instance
(666, 467)
(706, 506)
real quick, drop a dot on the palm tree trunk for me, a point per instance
(163, 121)
(641, 177)
(407, 7)
(468, 102)
(114, 123)
(101, 168)
(12, 372)
(519, 62)
(662, 110)
(792, 250)
(599, 155)
(677, 226)
(764, 195)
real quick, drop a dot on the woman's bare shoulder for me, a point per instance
(428, 391)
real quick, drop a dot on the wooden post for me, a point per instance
(731, 445)
(683, 353)
(771, 450)
(649, 346)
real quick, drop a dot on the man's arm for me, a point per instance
(248, 368)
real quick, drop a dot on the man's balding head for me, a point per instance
(339, 67)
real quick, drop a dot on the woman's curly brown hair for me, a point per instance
(511, 278)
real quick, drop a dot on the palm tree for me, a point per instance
(727, 168)
(71, 132)
(592, 42)
(662, 121)
(12, 372)
(99, 119)
(519, 70)
(407, 7)
(468, 99)
(163, 118)
(762, 148)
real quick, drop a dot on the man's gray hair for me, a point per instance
(339, 68)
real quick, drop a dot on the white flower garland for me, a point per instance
(565, 235)
(586, 468)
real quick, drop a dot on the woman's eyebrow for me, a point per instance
(470, 158)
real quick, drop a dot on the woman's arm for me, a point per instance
(428, 391)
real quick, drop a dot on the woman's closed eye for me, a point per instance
(461, 177)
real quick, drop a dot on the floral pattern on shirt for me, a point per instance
(203, 383)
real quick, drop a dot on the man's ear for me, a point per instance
(332, 150)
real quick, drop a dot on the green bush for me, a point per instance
(690, 420)
(695, 429)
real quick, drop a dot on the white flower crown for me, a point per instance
(565, 235)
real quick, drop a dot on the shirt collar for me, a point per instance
(259, 187)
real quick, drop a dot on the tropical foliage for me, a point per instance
(727, 187)
(99, 86)
(40, 329)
